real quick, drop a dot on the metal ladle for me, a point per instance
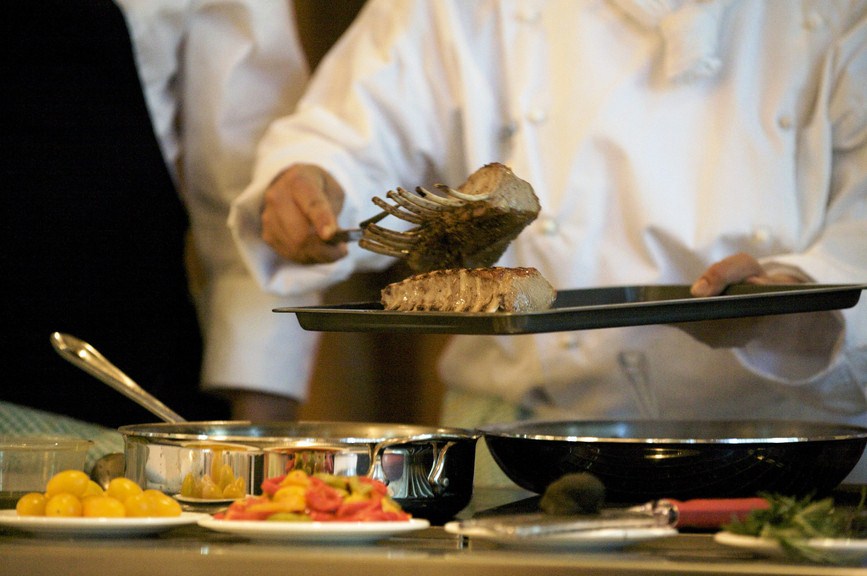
(87, 358)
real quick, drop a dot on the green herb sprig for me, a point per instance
(793, 521)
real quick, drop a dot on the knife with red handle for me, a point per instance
(712, 512)
(702, 513)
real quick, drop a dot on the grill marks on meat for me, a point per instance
(494, 289)
(469, 227)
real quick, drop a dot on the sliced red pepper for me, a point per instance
(321, 497)
(377, 485)
(271, 485)
(350, 510)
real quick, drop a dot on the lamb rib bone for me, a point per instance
(469, 227)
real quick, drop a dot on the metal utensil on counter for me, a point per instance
(698, 513)
(87, 358)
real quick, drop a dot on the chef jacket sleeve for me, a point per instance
(376, 116)
(833, 180)
(216, 72)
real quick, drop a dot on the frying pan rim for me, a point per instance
(513, 430)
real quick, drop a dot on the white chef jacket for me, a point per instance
(660, 137)
(215, 73)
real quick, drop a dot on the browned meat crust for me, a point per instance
(496, 289)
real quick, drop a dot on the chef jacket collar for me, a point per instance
(690, 30)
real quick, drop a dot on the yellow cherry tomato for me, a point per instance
(296, 478)
(236, 489)
(32, 504)
(291, 498)
(163, 504)
(73, 482)
(226, 477)
(63, 504)
(122, 488)
(93, 489)
(210, 490)
(102, 507)
(189, 487)
(138, 506)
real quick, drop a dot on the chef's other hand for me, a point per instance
(300, 213)
(732, 332)
(734, 269)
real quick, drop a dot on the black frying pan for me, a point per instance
(644, 460)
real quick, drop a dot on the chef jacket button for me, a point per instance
(537, 115)
(549, 226)
(814, 21)
(529, 14)
(761, 236)
(508, 130)
(568, 340)
(785, 122)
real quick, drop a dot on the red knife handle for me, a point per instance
(714, 512)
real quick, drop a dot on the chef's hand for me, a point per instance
(735, 269)
(300, 213)
(732, 332)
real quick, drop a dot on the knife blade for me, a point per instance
(345, 235)
(354, 234)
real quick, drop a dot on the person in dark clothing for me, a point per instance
(94, 230)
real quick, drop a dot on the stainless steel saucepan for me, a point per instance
(429, 470)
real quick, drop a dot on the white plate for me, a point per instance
(843, 548)
(205, 501)
(604, 539)
(314, 531)
(95, 527)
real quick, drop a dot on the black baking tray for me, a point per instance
(585, 309)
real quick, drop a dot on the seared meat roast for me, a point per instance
(469, 227)
(494, 289)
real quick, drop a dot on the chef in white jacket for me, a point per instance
(660, 137)
(215, 73)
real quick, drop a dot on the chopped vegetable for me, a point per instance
(297, 497)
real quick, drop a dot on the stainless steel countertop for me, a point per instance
(194, 551)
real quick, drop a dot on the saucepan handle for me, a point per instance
(435, 477)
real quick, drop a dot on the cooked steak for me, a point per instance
(495, 289)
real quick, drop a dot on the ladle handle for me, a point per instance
(91, 361)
